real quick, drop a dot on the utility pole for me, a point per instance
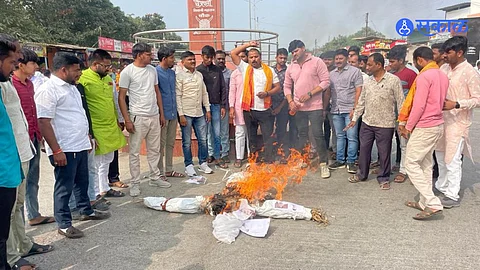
(250, 16)
(366, 25)
(315, 48)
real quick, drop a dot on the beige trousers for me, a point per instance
(419, 163)
(18, 243)
(148, 128)
(167, 143)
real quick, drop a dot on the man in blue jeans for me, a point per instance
(220, 62)
(346, 86)
(192, 100)
(64, 125)
(25, 90)
(217, 95)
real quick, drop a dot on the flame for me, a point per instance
(267, 181)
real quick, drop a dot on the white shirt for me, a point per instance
(259, 81)
(38, 79)
(140, 82)
(10, 98)
(61, 102)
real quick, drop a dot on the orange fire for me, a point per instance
(268, 181)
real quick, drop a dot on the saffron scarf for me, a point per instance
(248, 87)
(408, 103)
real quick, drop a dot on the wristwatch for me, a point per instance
(457, 105)
(309, 94)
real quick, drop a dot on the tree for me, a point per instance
(16, 21)
(78, 22)
(345, 41)
(155, 22)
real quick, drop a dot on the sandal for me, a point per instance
(38, 249)
(114, 193)
(414, 205)
(400, 178)
(23, 263)
(45, 220)
(374, 165)
(220, 163)
(101, 198)
(226, 159)
(174, 174)
(375, 171)
(238, 163)
(354, 179)
(210, 159)
(385, 186)
(118, 184)
(427, 213)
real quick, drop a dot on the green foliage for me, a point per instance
(342, 41)
(78, 22)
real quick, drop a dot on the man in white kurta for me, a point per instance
(463, 96)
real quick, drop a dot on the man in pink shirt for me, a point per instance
(310, 78)
(425, 123)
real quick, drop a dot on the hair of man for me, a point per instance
(140, 48)
(165, 52)
(64, 59)
(294, 44)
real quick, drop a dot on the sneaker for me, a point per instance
(337, 165)
(205, 169)
(190, 171)
(159, 183)
(449, 203)
(135, 190)
(71, 232)
(96, 215)
(351, 168)
(324, 171)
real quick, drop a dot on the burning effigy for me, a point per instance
(255, 192)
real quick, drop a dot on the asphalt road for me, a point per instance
(370, 229)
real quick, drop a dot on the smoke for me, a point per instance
(324, 20)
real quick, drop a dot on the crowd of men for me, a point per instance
(334, 106)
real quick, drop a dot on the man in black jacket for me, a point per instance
(217, 94)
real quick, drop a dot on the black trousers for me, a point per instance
(327, 131)
(264, 119)
(383, 138)
(8, 196)
(399, 149)
(68, 179)
(113, 171)
(281, 122)
(315, 118)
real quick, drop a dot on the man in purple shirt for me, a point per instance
(346, 85)
(308, 75)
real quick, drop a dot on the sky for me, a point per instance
(308, 20)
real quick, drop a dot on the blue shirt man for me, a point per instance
(10, 170)
(167, 85)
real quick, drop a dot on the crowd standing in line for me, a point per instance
(340, 104)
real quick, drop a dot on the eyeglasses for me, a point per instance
(105, 66)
